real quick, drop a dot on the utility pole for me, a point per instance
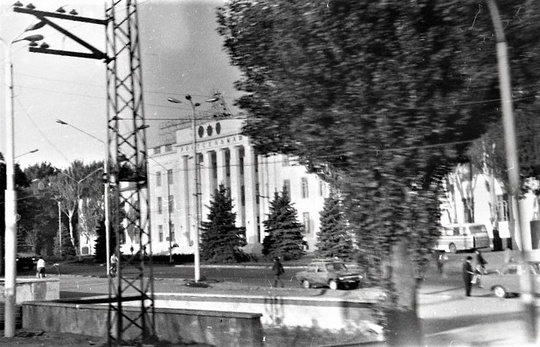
(512, 162)
(126, 169)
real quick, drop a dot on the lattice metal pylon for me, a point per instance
(126, 138)
(126, 191)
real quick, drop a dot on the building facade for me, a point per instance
(224, 156)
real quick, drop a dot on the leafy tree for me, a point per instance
(221, 239)
(284, 233)
(80, 191)
(334, 236)
(381, 96)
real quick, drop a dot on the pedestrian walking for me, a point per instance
(480, 261)
(40, 268)
(278, 270)
(442, 258)
(468, 274)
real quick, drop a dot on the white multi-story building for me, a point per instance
(227, 157)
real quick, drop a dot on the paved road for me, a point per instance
(449, 318)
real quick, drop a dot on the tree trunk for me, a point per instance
(403, 323)
(72, 234)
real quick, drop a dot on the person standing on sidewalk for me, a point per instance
(278, 270)
(468, 274)
(40, 267)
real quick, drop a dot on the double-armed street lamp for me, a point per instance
(105, 194)
(196, 251)
(10, 197)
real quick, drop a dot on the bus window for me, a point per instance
(477, 229)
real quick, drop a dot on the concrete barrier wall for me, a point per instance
(174, 325)
(34, 289)
(326, 313)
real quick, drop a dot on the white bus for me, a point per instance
(460, 237)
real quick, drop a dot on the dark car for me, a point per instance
(26, 260)
(328, 272)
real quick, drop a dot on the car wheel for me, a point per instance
(306, 284)
(499, 292)
(332, 284)
(452, 248)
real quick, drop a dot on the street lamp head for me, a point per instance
(174, 100)
(197, 104)
(212, 100)
(59, 121)
(188, 97)
(32, 38)
(36, 26)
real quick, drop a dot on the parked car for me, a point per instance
(506, 280)
(26, 260)
(328, 272)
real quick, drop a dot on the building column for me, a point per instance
(236, 185)
(221, 167)
(251, 208)
(206, 183)
(186, 202)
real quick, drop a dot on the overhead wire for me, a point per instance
(27, 114)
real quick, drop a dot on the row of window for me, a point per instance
(304, 185)
(161, 237)
(170, 177)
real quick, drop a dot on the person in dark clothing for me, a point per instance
(468, 274)
(278, 271)
(480, 261)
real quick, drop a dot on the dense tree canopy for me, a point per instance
(381, 95)
(388, 95)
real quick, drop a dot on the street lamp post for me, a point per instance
(10, 197)
(105, 195)
(196, 252)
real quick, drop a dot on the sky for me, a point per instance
(181, 53)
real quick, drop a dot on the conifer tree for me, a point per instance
(334, 238)
(101, 243)
(221, 239)
(284, 233)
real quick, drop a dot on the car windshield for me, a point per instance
(336, 267)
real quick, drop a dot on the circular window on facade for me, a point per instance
(218, 128)
(209, 130)
(201, 131)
